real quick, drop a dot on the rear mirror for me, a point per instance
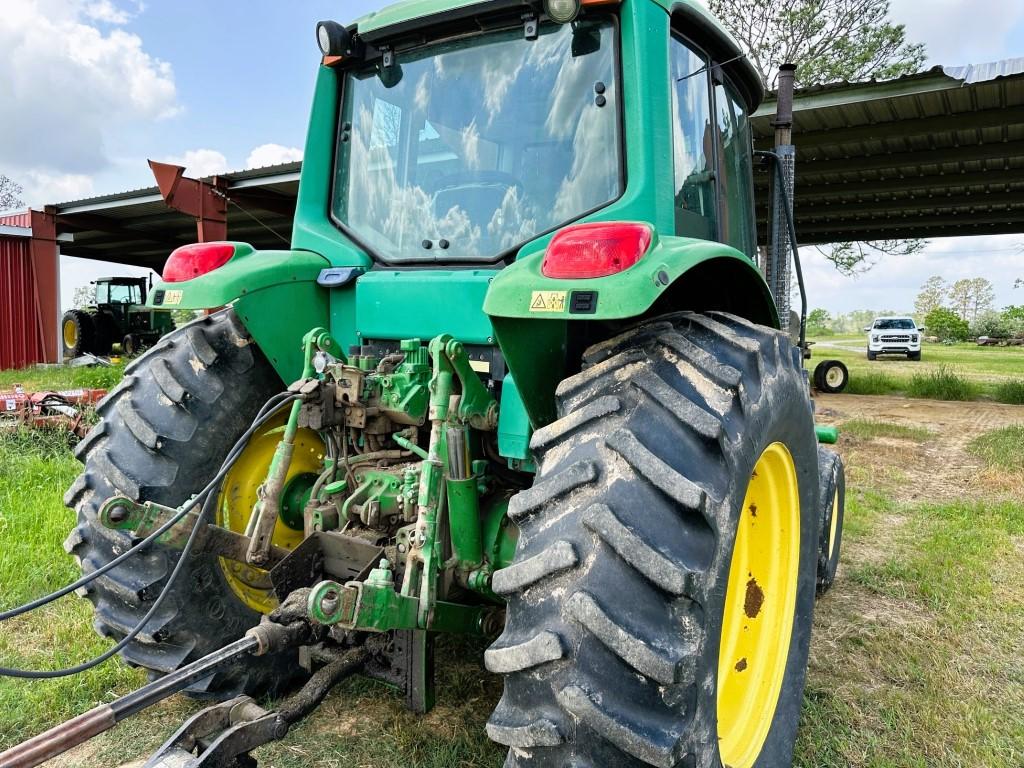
(920, 328)
(585, 42)
(868, 328)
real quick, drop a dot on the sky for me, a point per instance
(90, 89)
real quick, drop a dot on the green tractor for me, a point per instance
(118, 316)
(517, 376)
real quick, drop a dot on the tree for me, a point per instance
(946, 324)
(819, 322)
(983, 295)
(828, 40)
(10, 194)
(932, 294)
(85, 295)
(960, 297)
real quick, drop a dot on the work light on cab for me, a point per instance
(191, 261)
(333, 39)
(562, 11)
(595, 249)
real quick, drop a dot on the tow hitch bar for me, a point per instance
(219, 735)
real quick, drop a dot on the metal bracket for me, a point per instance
(120, 513)
(221, 735)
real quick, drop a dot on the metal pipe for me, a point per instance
(78, 730)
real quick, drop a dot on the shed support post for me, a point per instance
(46, 281)
(777, 263)
(202, 200)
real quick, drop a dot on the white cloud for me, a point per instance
(200, 162)
(106, 11)
(42, 188)
(66, 85)
(272, 154)
(960, 31)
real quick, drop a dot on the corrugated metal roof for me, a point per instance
(926, 155)
(16, 219)
(136, 227)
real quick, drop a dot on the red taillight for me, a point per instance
(197, 259)
(596, 249)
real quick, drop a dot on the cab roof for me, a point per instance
(408, 15)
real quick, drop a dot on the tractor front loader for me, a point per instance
(518, 376)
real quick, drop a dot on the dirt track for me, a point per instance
(936, 469)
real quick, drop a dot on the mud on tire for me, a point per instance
(163, 432)
(615, 596)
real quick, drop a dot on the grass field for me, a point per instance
(956, 372)
(915, 654)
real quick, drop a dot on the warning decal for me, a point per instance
(547, 301)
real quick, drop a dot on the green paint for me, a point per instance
(380, 489)
(500, 534)
(624, 295)
(464, 516)
(424, 303)
(828, 435)
(513, 423)
(293, 499)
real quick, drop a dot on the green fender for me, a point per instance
(535, 317)
(274, 293)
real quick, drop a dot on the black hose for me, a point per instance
(209, 499)
(146, 542)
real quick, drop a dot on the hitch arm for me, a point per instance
(63, 737)
(263, 638)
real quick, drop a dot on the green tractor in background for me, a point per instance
(119, 315)
(517, 376)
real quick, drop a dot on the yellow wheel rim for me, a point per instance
(70, 334)
(835, 518)
(238, 497)
(760, 602)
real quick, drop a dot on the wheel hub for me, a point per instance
(239, 495)
(760, 603)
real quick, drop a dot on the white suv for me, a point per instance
(894, 336)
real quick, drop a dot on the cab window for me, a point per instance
(735, 177)
(712, 153)
(692, 143)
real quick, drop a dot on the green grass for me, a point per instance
(991, 372)
(1003, 448)
(63, 377)
(915, 653)
(873, 383)
(871, 428)
(1011, 391)
(941, 383)
(37, 469)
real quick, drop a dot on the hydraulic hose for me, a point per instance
(275, 403)
(207, 496)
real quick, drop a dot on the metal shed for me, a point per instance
(934, 154)
(29, 284)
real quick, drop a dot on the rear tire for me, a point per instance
(617, 597)
(832, 490)
(163, 432)
(872, 355)
(914, 356)
(77, 333)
